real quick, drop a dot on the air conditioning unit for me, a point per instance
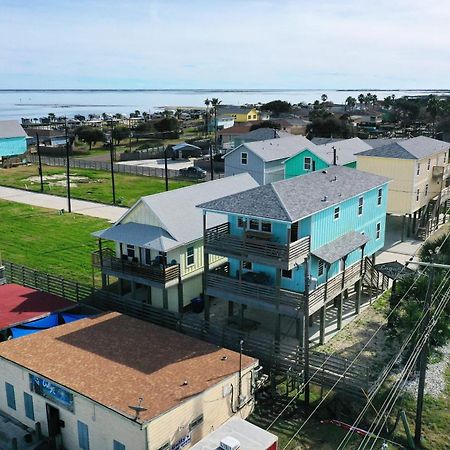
(230, 443)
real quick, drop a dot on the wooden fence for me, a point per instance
(275, 357)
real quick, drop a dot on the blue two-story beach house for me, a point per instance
(296, 246)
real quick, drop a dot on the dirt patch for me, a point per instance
(61, 180)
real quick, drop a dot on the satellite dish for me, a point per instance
(138, 408)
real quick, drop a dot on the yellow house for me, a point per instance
(240, 113)
(419, 168)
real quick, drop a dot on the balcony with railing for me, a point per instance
(263, 295)
(156, 274)
(255, 247)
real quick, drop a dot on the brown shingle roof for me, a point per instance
(115, 359)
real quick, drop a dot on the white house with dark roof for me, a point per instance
(419, 169)
(13, 139)
(158, 256)
(263, 160)
(296, 246)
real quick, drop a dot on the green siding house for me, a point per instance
(322, 156)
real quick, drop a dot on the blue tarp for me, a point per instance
(69, 317)
(19, 332)
(47, 322)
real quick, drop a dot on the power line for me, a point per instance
(386, 372)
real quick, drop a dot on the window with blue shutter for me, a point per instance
(29, 407)
(118, 446)
(10, 396)
(83, 436)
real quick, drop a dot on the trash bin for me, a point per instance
(197, 304)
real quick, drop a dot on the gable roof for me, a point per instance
(415, 148)
(346, 150)
(299, 197)
(11, 129)
(177, 212)
(275, 149)
(233, 109)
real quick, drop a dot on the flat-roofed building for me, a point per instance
(84, 381)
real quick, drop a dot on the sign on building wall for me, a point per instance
(185, 440)
(52, 392)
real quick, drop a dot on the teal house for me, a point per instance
(319, 157)
(295, 247)
(13, 139)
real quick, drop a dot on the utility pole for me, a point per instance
(165, 168)
(39, 161)
(423, 357)
(67, 167)
(111, 153)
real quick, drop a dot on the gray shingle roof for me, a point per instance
(281, 148)
(295, 198)
(176, 210)
(11, 129)
(415, 148)
(232, 109)
(340, 247)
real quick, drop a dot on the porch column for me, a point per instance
(341, 297)
(403, 227)
(278, 318)
(205, 272)
(133, 290)
(372, 277)
(165, 298)
(180, 291)
(358, 288)
(306, 333)
(414, 221)
(299, 324)
(408, 230)
(149, 295)
(322, 324)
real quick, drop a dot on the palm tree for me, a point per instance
(350, 102)
(434, 107)
(215, 102)
(361, 99)
(207, 103)
(374, 99)
(324, 97)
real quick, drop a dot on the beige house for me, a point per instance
(158, 244)
(117, 383)
(419, 169)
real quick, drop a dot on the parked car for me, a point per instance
(193, 172)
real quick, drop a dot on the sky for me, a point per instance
(226, 44)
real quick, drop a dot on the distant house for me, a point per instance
(323, 156)
(239, 113)
(47, 137)
(420, 170)
(223, 122)
(158, 255)
(13, 139)
(260, 134)
(263, 160)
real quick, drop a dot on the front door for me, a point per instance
(54, 426)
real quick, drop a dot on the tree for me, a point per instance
(350, 102)
(120, 132)
(90, 135)
(266, 124)
(361, 99)
(144, 127)
(324, 97)
(328, 127)
(166, 124)
(79, 117)
(388, 101)
(434, 108)
(207, 104)
(215, 102)
(277, 107)
(52, 117)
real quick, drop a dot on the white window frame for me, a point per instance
(240, 223)
(188, 264)
(360, 206)
(249, 265)
(378, 231)
(307, 163)
(265, 222)
(380, 197)
(244, 158)
(131, 249)
(337, 211)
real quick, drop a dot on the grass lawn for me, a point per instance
(41, 239)
(95, 185)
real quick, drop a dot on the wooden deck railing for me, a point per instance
(157, 274)
(219, 240)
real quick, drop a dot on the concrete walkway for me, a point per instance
(111, 213)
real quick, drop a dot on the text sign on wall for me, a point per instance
(185, 440)
(52, 392)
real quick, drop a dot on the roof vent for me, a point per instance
(333, 179)
(324, 171)
(325, 198)
(185, 383)
(229, 443)
(224, 358)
